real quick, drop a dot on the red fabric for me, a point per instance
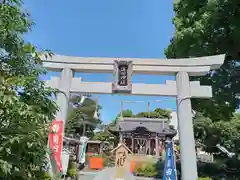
(55, 141)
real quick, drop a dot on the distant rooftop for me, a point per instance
(160, 126)
(94, 142)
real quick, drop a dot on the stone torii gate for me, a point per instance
(182, 88)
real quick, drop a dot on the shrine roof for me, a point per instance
(94, 142)
(77, 141)
(160, 126)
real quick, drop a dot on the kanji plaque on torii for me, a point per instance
(122, 75)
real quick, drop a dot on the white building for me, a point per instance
(174, 122)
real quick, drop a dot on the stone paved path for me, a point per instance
(86, 175)
(92, 175)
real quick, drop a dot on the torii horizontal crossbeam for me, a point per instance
(194, 66)
(168, 89)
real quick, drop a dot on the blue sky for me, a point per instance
(106, 28)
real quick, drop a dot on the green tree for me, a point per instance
(110, 140)
(124, 113)
(81, 118)
(210, 27)
(25, 107)
(210, 133)
(157, 113)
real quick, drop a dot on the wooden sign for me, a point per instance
(121, 160)
(122, 74)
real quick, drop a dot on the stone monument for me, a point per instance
(121, 171)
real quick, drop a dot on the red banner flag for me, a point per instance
(55, 141)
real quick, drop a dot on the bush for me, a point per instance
(72, 169)
(228, 169)
(46, 176)
(146, 169)
(204, 178)
(150, 170)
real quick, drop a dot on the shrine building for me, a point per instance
(144, 136)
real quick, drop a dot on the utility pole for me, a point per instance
(149, 110)
(131, 102)
(122, 109)
(125, 102)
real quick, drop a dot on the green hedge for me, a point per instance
(147, 169)
(228, 169)
(206, 171)
(72, 169)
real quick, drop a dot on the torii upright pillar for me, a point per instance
(185, 128)
(62, 100)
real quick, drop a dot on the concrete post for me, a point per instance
(120, 137)
(63, 96)
(132, 146)
(149, 110)
(122, 110)
(157, 146)
(185, 128)
(163, 147)
(149, 146)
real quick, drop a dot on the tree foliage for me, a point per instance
(204, 28)
(81, 118)
(157, 113)
(225, 133)
(25, 107)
